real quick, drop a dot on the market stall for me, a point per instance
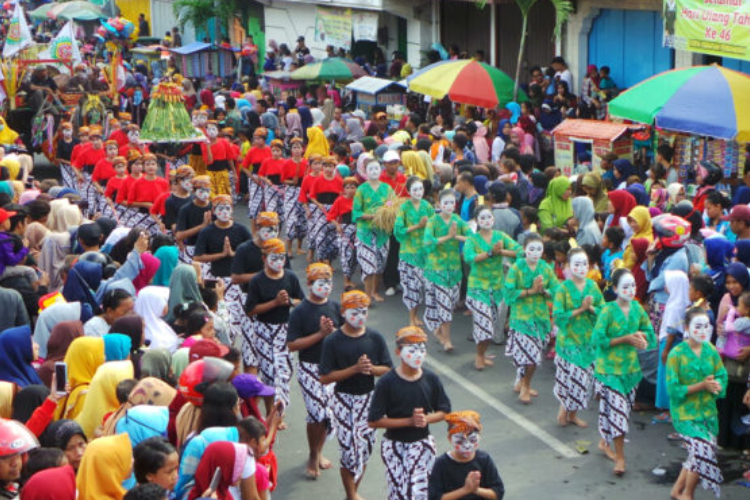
(370, 91)
(280, 83)
(198, 59)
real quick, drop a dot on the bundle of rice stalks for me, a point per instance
(385, 216)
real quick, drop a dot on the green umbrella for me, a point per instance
(332, 68)
(77, 10)
(40, 13)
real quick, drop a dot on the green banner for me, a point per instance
(716, 27)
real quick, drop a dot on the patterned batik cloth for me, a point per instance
(439, 304)
(412, 283)
(296, 222)
(408, 467)
(274, 360)
(347, 241)
(525, 350)
(255, 199)
(483, 317)
(317, 396)
(371, 257)
(356, 438)
(572, 385)
(614, 412)
(702, 460)
(273, 200)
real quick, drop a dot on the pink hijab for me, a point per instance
(527, 147)
(150, 266)
(481, 148)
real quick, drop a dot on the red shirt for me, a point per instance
(307, 183)
(235, 151)
(159, 208)
(341, 206)
(255, 157)
(298, 170)
(103, 170)
(115, 184)
(323, 185)
(398, 184)
(124, 150)
(88, 157)
(120, 136)
(273, 169)
(77, 149)
(124, 192)
(144, 190)
(220, 151)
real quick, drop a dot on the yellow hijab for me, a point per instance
(13, 166)
(102, 396)
(317, 143)
(7, 134)
(106, 464)
(7, 392)
(415, 165)
(642, 216)
(84, 356)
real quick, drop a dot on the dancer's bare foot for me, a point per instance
(578, 422)
(377, 297)
(675, 493)
(281, 426)
(479, 363)
(533, 393)
(324, 463)
(418, 322)
(609, 452)
(312, 472)
(448, 347)
(488, 361)
(619, 469)
(517, 388)
(562, 417)
(525, 396)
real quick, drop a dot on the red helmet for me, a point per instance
(671, 230)
(198, 375)
(15, 438)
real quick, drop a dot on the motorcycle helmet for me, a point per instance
(672, 231)
(711, 173)
(198, 375)
(15, 438)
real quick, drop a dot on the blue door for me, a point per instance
(736, 64)
(630, 43)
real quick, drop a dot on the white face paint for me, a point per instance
(416, 191)
(212, 132)
(67, 134)
(465, 445)
(579, 265)
(134, 136)
(203, 194)
(276, 261)
(267, 232)
(356, 317)
(448, 204)
(373, 171)
(486, 220)
(413, 355)
(534, 251)
(187, 184)
(223, 213)
(626, 288)
(322, 288)
(202, 119)
(700, 329)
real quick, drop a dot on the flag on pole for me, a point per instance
(64, 45)
(19, 35)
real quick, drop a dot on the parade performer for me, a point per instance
(442, 235)
(217, 155)
(249, 184)
(64, 146)
(340, 215)
(294, 174)
(104, 170)
(405, 402)
(309, 324)
(409, 231)
(180, 196)
(465, 472)
(135, 170)
(121, 134)
(120, 166)
(270, 295)
(696, 378)
(271, 175)
(323, 194)
(193, 217)
(352, 357)
(622, 328)
(134, 142)
(316, 167)
(84, 164)
(373, 243)
(484, 252)
(528, 287)
(143, 193)
(195, 156)
(84, 141)
(577, 303)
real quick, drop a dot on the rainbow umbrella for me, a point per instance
(333, 68)
(700, 100)
(465, 81)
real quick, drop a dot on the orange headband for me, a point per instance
(118, 160)
(222, 199)
(410, 335)
(351, 181)
(267, 219)
(202, 180)
(319, 271)
(184, 171)
(354, 299)
(463, 422)
(274, 245)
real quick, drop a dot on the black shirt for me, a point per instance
(262, 289)
(305, 320)
(248, 258)
(190, 216)
(211, 241)
(396, 397)
(65, 149)
(341, 351)
(449, 475)
(172, 207)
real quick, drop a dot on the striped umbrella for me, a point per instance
(333, 68)
(701, 100)
(465, 81)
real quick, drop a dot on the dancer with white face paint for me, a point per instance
(528, 287)
(484, 252)
(271, 176)
(373, 243)
(622, 329)
(409, 231)
(465, 471)
(352, 357)
(182, 188)
(219, 159)
(696, 378)
(406, 401)
(443, 234)
(309, 324)
(193, 217)
(577, 302)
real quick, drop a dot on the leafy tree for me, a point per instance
(201, 12)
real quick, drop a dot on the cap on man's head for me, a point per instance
(5, 215)
(300, 39)
(738, 213)
(390, 156)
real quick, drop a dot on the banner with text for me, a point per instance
(716, 27)
(365, 26)
(333, 27)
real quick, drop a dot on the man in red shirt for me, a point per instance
(219, 161)
(391, 175)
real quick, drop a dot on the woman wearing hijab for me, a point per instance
(7, 394)
(38, 487)
(354, 130)
(719, 253)
(27, 401)
(105, 465)
(639, 221)
(49, 318)
(556, 208)
(17, 352)
(232, 459)
(316, 143)
(148, 271)
(157, 363)
(621, 203)
(84, 356)
(675, 194)
(588, 229)
(81, 284)
(593, 186)
(132, 327)
(293, 126)
(149, 391)
(151, 305)
(639, 193)
(8, 136)
(144, 422)
(102, 395)
(183, 289)
(622, 170)
(57, 245)
(63, 334)
(66, 435)
(481, 148)
(168, 257)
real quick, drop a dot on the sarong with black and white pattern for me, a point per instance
(88, 192)
(273, 200)
(572, 384)
(294, 212)
(356, 438)
(133, 217)
(326, 243)
(371, 257)
(408, 467)
(412, 283)
(249, 356)
(67, 172)
(107, 208)
(187, 252)
(234, 298)
(483, 318)
(274, 360)
(525, 350)
(317, 224)
(702, 461)
(614, 411)
(348, 249)
(317, 396)
(255, 199)
(439, 304)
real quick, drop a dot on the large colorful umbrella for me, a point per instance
(333, 68)
(465, 81)
(76, 10)
(701, 100)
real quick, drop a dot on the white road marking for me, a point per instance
(512, 415)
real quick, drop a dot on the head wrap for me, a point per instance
(222, 199)
(277, 143)
(319, 271)
(351, 181)
(267, 219)
(354, 299)
(274, 245)
(261, 132)
(410, 335)
(202, 180)
(185, 171)
(463, 422)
